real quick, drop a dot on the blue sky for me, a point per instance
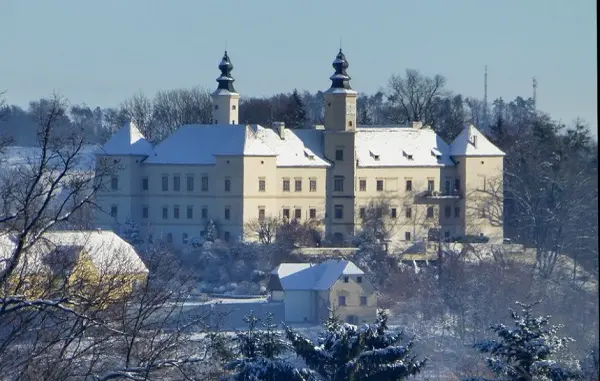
(101, 52)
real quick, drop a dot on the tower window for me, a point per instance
(339, 212)
(349, 123)
(338, 184)
(114, 183)
(145, 211)
(216, 108)
(233, 107)
(216, 121)
(227, 213)
(339, 155)
(262, 185)
(145, 183)
(227, 185)
(114, 211)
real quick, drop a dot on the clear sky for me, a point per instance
(101, 52)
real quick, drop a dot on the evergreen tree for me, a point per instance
(295, 113)
(210, 232)
(259, 354)
(347, 352)
(527, 352)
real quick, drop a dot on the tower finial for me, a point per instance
(340, 79)
(340, 43)
(225, 79)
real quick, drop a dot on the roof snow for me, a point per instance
(400, 146)
(308, 276)
(109, 253)
(127, 141)
(200, 144)
(471, 142)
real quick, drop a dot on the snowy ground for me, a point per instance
(16, 155)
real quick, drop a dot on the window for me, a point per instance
(216, 108)
(190, 183)
(379, 185)
(145, 211)
(176, 183)
(145, 183)
(338, 184)
(362, 212)
(448, 211)
(363, 300)
(446, 234)
(286, 185)
(114, 183)
(233, 122)
(233, 107)
(393, 213)
(409, 185)
(349, 123)
(204, 183)
(169, 238)
(216, 121)
(341, 300)
(184, 238)
(261, 213)
(407, 236)
(297, 214)
(339, 154)
(313, 185)
(457, 212)
(165, 183)
(362, 185)
(165, 213)
(114, 211)
(227, 213)
(227, 185)
(226, 236)
(430, 185)
(408, 213)
(262, 185)
(312, 213)
(176, 211)
(447, 187)
(298, 185)
(430, 212)
(286, 213)
(339, 212)
(358, 279)
(346, 279)
(204, 213)
(189, 213)
(457, 184)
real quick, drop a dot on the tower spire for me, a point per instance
(340, 79)
(225, 79)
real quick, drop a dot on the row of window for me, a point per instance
(185, 238)
(338, 184)
(342, 300)
(430, 212)
(233, 107)
(312, 213)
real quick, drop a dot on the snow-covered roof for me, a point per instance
(200, 144)
(109, 253)
(400, 146)
(471, 142)
(127, 141)
(223, 91)
(308, 276)
(337, 90)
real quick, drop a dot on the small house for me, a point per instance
(312, 292)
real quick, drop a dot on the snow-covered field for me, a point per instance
(14, 156)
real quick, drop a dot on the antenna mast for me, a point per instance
(534, 92)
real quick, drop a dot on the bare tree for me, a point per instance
(175, 108)
(265, 229)
(139, 109)
(415, 96)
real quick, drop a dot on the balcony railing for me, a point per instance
(454, 195)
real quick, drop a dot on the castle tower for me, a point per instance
(339, 148)
(225, 98)
(340, 99)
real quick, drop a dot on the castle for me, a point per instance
(234, 173)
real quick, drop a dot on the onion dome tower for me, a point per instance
(225, 98)
(340, 99)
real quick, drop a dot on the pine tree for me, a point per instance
(259, 354)
(347, 352)
(527, 352)
(295, 112)
(210, 232)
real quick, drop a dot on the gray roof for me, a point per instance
(308, 276)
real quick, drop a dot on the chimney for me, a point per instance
(280, 128)
(417, 124)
